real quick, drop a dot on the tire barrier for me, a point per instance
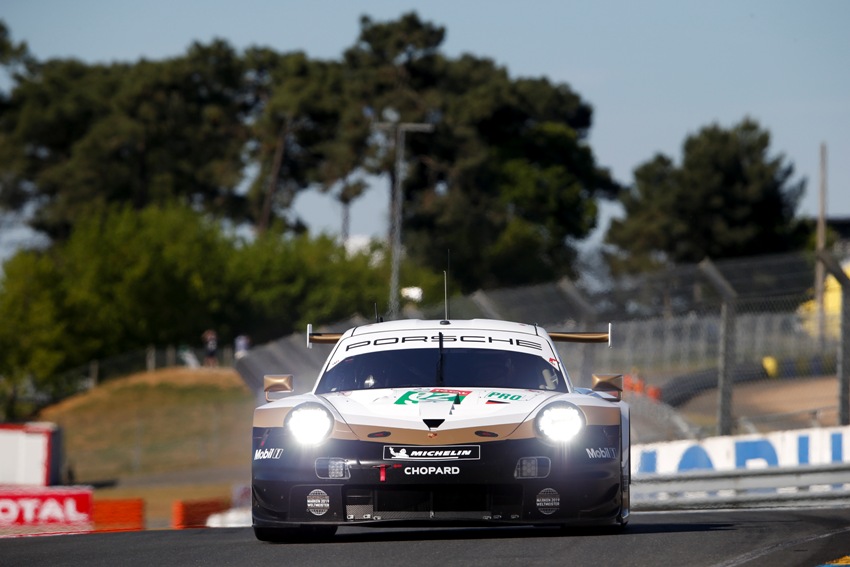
(679, 390)
(635, 384)
(120, 515)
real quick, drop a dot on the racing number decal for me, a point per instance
(438, 394)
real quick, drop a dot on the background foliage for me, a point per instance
(165, 188)
(728, 199)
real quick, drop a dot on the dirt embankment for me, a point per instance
(180, 377)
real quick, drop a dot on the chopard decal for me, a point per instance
(431, 470)
(417, 453)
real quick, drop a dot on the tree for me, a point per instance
(506, 179)
(14, 57)
(390, 77)
(123, 280)
(74, 136)
(34, 339)
(513, 162)
(728, 199)
(282, 282)
(126, 279)
(297, 112)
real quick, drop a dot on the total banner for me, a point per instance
(818, 446)
(58, 508)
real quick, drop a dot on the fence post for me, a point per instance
(94, 372)
(150, 358)
(843, 356)
(726, 354)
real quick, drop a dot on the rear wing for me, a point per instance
(321, 338)
(582, 337)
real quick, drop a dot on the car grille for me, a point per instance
(457, 502)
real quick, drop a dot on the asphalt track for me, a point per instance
(730, 538)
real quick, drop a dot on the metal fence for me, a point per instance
(732, 346)
(87, 376)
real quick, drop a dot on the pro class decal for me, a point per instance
(418, 453)
(434, 395)
(502, 397)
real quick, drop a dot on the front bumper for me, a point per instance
(522, 481)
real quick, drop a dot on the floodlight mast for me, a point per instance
(395, 215)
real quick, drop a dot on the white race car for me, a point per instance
(452, 422)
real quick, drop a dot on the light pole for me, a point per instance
(395, 214)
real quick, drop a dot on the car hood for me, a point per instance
(432, 408)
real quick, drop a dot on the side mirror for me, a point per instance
(611, 384)
(277, 386)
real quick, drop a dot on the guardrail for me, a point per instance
(808, 485)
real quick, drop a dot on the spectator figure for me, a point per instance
(241, 345)
(210, 339)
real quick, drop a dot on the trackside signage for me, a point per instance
(820, 446)
(57, 508)
(30, 454)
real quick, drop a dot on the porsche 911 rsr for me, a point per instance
(440, 422)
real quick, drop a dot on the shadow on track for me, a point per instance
(380, 534)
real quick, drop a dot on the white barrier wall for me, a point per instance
(818, 446)
(30, 454)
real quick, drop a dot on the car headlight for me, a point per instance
(309, 424)
(559, 422)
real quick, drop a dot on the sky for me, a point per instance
(654, 71)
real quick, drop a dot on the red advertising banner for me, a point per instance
(45, 507)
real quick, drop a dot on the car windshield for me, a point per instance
(455, 367)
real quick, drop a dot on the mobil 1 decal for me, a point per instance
(433, 395)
